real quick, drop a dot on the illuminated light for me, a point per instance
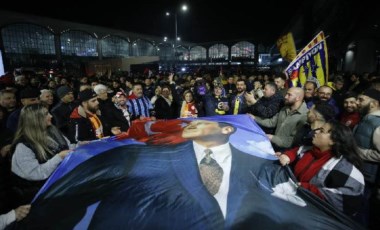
(1, 65)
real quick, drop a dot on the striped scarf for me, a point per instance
(188, 109)
(96, 125)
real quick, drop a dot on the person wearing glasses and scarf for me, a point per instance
(330, 170)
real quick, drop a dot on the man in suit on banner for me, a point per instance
(170, 187)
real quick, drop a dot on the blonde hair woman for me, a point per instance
(38, 148)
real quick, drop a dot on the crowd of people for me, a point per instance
(329, 134)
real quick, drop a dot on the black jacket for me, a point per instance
(81, 129)
(61, 115)
(112, 116)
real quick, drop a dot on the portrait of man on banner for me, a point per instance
(220, 174)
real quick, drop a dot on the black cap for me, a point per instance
(326, 110)
(372, 93)
(349, 94)
(86, 95)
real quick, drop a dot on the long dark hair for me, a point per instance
(344, 143)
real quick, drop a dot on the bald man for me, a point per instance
(288, 121)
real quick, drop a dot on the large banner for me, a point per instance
(310, 64)
(156, 178)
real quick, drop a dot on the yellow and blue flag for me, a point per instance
(310, 63)
(318, 38)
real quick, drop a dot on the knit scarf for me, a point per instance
(310, 164)
(188, 109)
(96, 125)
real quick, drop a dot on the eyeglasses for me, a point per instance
(321, 130)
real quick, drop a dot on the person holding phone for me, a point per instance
(268, 105)
(216, 103)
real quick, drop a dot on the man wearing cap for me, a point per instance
(320, 113)
(61, 112)
(367, 136)
(85, 122)
(28, 96)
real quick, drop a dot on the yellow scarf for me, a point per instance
(96, 125)
(236, 107)
(188, 109)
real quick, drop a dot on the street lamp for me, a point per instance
(176, 38)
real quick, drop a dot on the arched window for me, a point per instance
(243, 50)
(78, 43)
(143, 48)
(183, 53)
(198, 53)
(218, 51)
(166, 52)
(114, 46)
(28, 39)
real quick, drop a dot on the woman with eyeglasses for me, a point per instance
(317, 116)
(330, 169)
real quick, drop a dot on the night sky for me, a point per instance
(204, 21)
